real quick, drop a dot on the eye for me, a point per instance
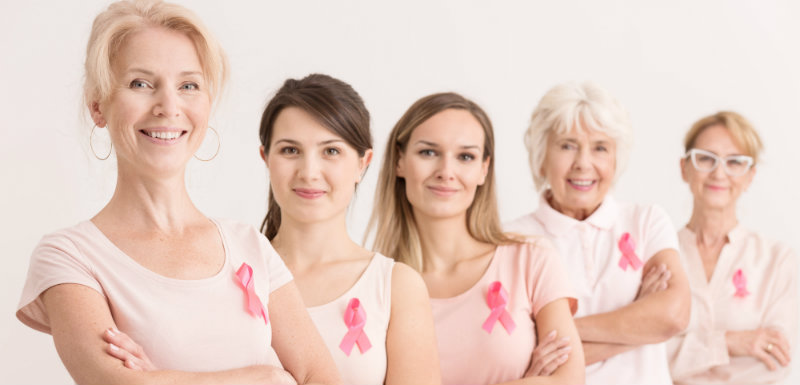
(466, 157)
(332, 151)
(138, 83)
(289, 150)
(601, 148)
(568, 146)
(427, 152)
(191, 86)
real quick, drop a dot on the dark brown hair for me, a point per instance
(335, 105)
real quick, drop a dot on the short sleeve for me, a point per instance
(55, 260)
(546, 278)
(279, 274)
(658, 232)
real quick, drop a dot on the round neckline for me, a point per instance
(136, 266)
(362, 277)
(480, 280)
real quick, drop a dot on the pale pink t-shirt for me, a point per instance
(374, 292)
(532, 275)
(188, 325)
(590, 251)
(699, 355)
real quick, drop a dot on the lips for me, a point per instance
(716, 188)
(163, 135)
(307, 193)
(442, 191)
(582, 184)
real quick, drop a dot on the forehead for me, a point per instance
(298, 125)
(718, 140)
(454, 127)
(581, 133)
(157, 49)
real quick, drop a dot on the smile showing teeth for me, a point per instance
(582, 183)
(165, 135)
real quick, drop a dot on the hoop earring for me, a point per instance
(110, 148)
(216, 152)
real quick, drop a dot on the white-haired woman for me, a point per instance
(578, 141)
(209, 300)
(744, 285)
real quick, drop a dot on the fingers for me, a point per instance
(766, 359)
(128, 359)
(124, 348)
(778, 347)
(556, 359)
(121, 340)
(549, 355)
(655, 280)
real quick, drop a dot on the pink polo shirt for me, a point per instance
(590, 251)
(532, 275)
(189, 325)
(700, 354)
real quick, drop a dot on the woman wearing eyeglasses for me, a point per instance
(744, 306)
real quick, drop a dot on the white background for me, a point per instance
(668, 62)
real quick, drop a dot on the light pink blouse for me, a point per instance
(590, 251)
(532, 276)
(189, 325)
(700, 354)
(374, 293)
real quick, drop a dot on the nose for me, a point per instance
(444, 169)
(309, 167)
(583, 159)
(166, 103)
(719, 171)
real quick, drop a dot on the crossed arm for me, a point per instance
(651, 319)
(79, 315)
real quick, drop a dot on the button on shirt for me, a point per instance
(591, 254)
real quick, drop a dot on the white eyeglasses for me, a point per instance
(707, 161)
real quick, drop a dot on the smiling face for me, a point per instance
(716, 189)
(313, 172)
(579, 166)
(157, 114)
(443, 164)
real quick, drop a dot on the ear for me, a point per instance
(263, 154)
(363, 163)
(97, 115)
(485, 170)
(683, 170)
(399, 169)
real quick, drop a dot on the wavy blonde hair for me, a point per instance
(396, 233)
(743, 133)
(112, 27)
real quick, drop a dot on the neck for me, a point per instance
(302, 244)
(446, 241)
(160, 204)
(579, 214)
(712, 225)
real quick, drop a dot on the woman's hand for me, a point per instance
(767, 345)
(655, 279)
(549, 354)
(122, 347)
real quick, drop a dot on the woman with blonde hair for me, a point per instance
(493, 296)
(209, 300)
(578, 142)
(744, 285)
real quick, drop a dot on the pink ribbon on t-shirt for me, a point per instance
(497, 299)
(355, 318)
(254, 305)
(740, 282)
(627, 247)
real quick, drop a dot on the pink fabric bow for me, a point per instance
(355, 318)
(627, 247)
(740, 282)
(497, 299)
(254, 305)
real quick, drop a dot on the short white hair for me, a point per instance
(570, 105)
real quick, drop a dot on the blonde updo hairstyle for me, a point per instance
(568, 106)
(123, 18)
(743, 133)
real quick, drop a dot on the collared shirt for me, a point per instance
(592, 256)
(700, 354)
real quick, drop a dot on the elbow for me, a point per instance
(677, 320)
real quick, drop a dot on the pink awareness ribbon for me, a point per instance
(254, 305)
(355, 318)
(497, 299)
(740, 282)
(629, 258)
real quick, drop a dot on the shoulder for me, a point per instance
(532, 246)
(642, 212)
(524, 225)
(407, 284)
(70, 241)
(779, 251)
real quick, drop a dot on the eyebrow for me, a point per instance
(150, 73)
(432, 144)
(322, 143)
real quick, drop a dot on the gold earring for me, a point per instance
(216, 152)
(110, 148)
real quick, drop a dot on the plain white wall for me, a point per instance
(668, 62)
